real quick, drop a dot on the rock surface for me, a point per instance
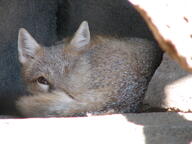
(170, 87)
(170, 22)
(144, 128)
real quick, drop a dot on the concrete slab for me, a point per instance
(143, 128)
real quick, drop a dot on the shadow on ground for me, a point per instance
(164, 127)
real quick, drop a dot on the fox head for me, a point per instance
(58, 78)
(45, 69)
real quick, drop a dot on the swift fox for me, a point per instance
(84, 75)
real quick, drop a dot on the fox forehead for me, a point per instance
(51, 64)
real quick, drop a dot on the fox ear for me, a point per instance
(27, 46)
(81, 37)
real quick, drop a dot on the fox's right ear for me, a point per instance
(80, 39)
(27, 46)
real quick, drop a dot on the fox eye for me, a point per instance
(42, 80)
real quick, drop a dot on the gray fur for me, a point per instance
(107, 75)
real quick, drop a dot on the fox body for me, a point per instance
(83, 74)
(52, 20)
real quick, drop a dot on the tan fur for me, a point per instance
(108, 74)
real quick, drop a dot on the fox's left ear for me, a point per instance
(81, 37)
(27, 46)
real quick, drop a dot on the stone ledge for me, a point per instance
(158, 128)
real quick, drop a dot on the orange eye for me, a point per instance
(42, 80)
